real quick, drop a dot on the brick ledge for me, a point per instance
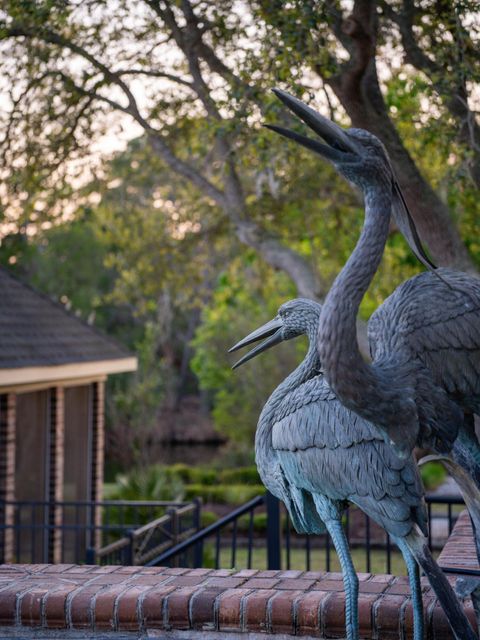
(121, 603)
(140, 602)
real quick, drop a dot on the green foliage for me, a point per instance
(152, 483)
(133, 403)
(433, 474)
(207, 518)
(234, 494)
(245, 475)
(192, 475)
(179, 481)
(259, 523)
(236, 309)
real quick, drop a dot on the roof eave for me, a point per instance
(18, 376)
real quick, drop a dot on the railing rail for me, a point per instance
(107, 530)
(370, 543)
(160, 532)
(197, 539)
(144, 543)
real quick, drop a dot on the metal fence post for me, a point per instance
(274, 547)
(130, 555)
(198, 549)
(90, 555)
(174, 530)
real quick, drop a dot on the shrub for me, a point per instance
(433, 474)
(259, 523)
(243, 475)
(151, 483)
(192, 475)
(207, 518)
(234, 494)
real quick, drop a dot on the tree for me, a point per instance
(344, 49)
(71, 62)
(177, 66)
(189, 76)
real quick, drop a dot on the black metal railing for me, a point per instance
(140, 545)
(72, 531)
(233, 541)
(257, 534)
(192, 552)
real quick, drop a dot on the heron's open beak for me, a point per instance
(339, 147)
(271, 331)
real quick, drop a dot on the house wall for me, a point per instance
(7, 469)
(56, 471)
(33, 460)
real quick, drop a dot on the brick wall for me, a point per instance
(150, 600)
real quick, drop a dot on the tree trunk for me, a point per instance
(358, 89)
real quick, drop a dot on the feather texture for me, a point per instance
(426, 321)
(317, 456)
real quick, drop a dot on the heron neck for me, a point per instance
(349, 376)
(309, 367)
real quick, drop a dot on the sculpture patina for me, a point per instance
(422, 388)
(316, 456)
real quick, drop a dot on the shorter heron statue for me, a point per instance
(316, 456)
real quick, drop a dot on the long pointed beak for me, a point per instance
(271, 331)
(405, 223)
(333, 135)
(338, 142)
(313, 145)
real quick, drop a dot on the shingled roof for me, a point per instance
(37, 332)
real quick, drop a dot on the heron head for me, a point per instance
(294, 318)
(360, 157)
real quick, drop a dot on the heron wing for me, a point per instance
(325, 421)
(326, 449)
(439, 326)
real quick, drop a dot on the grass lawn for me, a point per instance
(298, 560)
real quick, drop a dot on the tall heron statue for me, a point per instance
(316, 456)
(423, 387)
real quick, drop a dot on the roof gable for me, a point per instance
(35, 331)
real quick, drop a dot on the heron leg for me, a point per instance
(415, 587)
(458, 621)
(350, 579)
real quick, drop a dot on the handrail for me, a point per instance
(462, 571)
(121, 543)
(430, 497)
(207, 531)
(96, 503)
(151, 525)
(143, 534)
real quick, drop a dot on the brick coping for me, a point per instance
(119, 603)
(141, 602)
(459, 551)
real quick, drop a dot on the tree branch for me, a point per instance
(453, 94)
(154, 74)
(51, 37)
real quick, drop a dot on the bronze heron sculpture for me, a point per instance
(316, 456)
(423, 386)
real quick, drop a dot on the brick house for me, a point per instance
(53, 369)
